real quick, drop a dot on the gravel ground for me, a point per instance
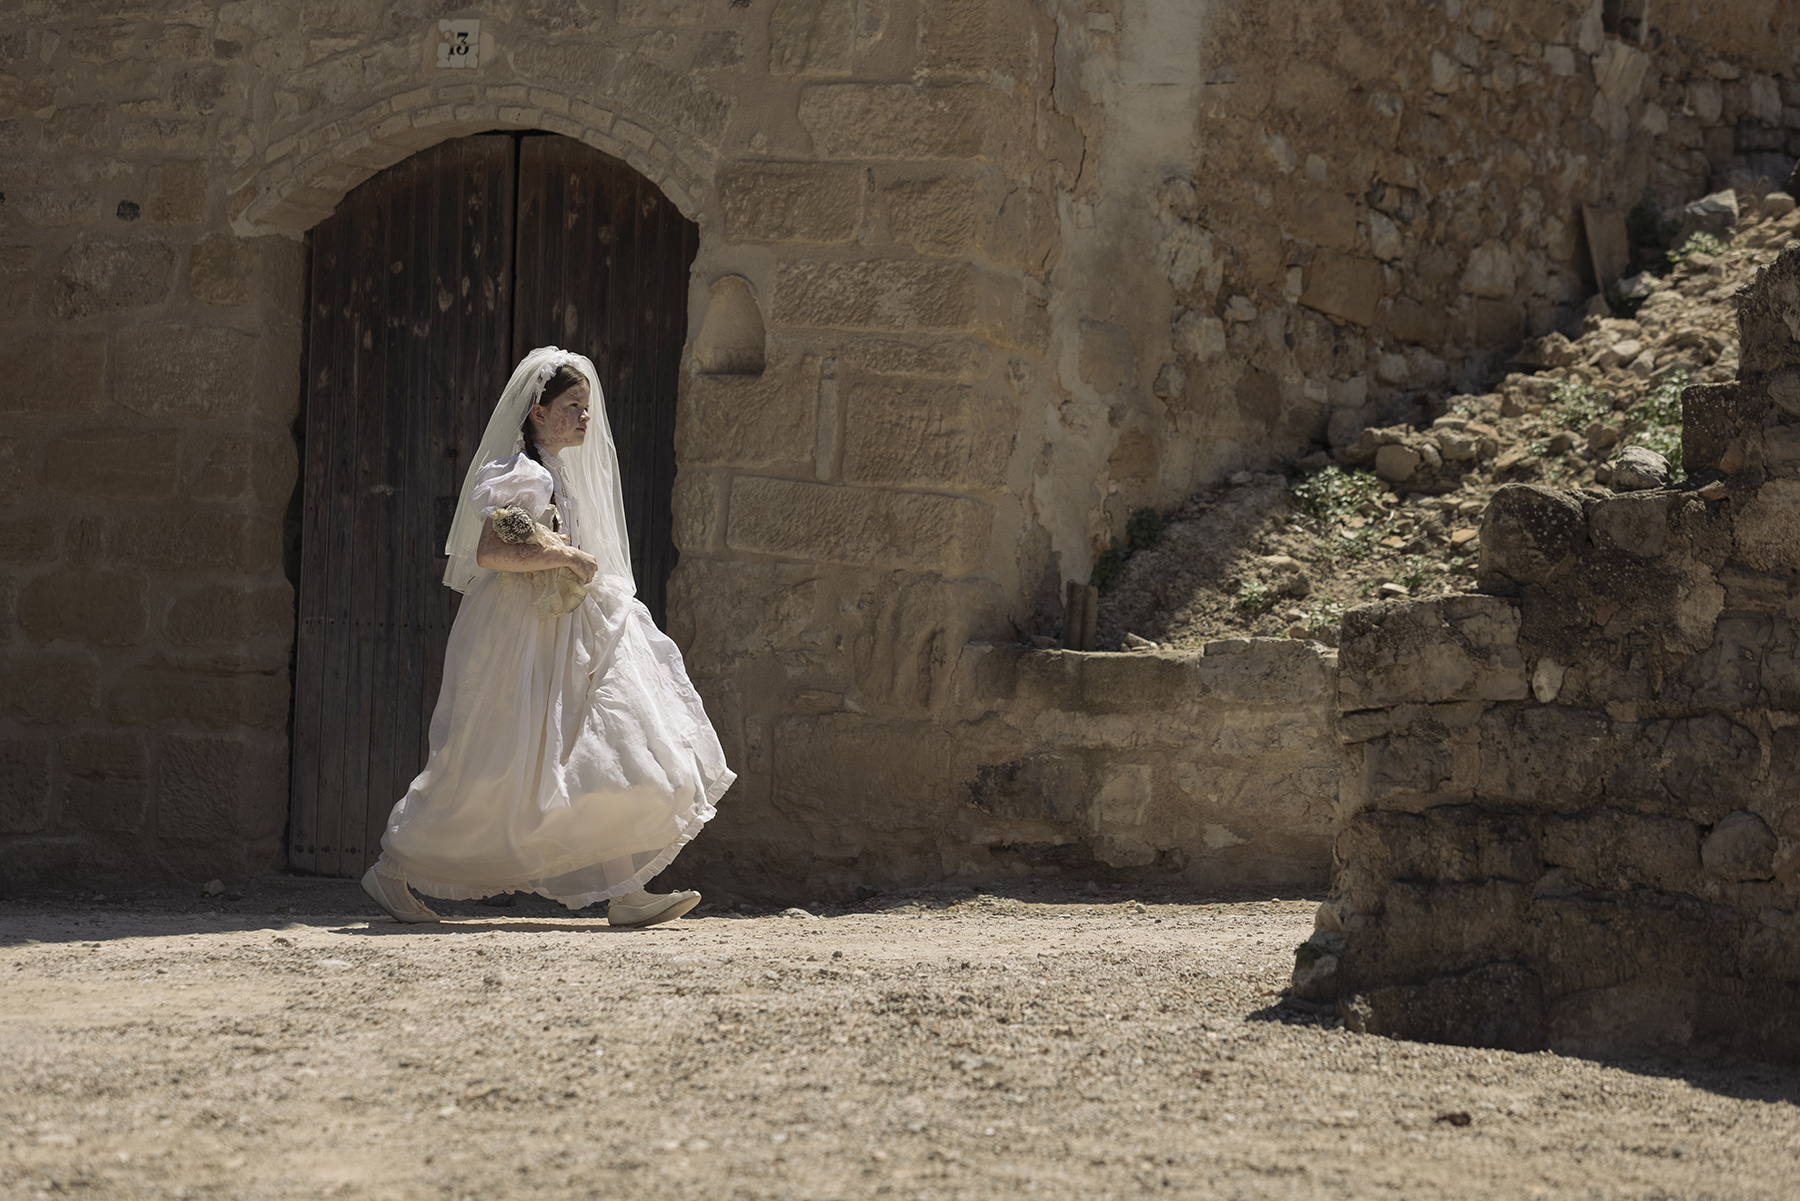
(283, 1044)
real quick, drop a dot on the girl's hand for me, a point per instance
(584, 565)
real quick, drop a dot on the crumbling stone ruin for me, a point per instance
(1573, 817)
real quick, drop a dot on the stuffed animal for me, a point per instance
(556, 591)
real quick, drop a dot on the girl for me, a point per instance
(570, 756)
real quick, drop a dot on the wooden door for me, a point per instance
(603, 264)
(414, 327)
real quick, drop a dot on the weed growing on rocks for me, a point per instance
(1398, 511)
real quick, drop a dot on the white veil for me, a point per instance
(597, 525)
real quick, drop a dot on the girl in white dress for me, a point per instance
(570, 756)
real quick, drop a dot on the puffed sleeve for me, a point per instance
(512, 481)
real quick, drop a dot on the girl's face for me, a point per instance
(563, 422)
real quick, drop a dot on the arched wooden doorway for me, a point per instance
(429, 282)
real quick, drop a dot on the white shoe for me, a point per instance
(649, 908)
(395, 898)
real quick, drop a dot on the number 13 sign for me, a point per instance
(460, 45)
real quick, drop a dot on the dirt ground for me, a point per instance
(280, 1043)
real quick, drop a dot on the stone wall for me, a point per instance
(875, 197)
(1335, 209)
(1574, 821)
(1218, 768)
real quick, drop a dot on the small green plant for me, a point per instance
(1414, 572)
(1333, 495)
(1575, 405)
(1108, 566)
(1660, 416)
(1351, 509)
(1144, 528)
(1699, 243)
(1320, 614)
(1252, 597)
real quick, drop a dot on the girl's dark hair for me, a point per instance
(566, 377)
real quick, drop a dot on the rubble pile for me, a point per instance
(1393, 511)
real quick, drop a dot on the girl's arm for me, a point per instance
(496, 554)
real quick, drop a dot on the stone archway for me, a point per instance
(427, 284)
(305, 176)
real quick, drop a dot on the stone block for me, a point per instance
(1530, 535)
(175, 193)
(1490, 272)
(222, 271)
(1497, 1005)
(99, 608)
(791, 202)
(125, 464)
(1410, 321)
(945, 358)
(80, 125)
(695, 504)
(935, 216)
(1741, 847)
(1155, 682)
(1411, 771)
(1043, 786)
(750, 420)
(187, 373)
(15, 458)
(61, 209)
(1453, 649)
(822, 759)
(18, 277)
(930, 435)
(103, 806)
(26, 541)
(1768, 527)
(246, 466)
(224, 615)
(211, 789)
(1345, 286)
(164, 134)
(1612, 849)
(199, 539)
(1107, 358)
(107, 275)
(878, 294)
(160, 693)
(1637, 525)
(48, 687)
(1268, 671)
(105, 753)
(664, 96)
(1767, 311)
(1551, 756)
(900, 121)
(1323, 218)
(1707, 765)
(860, 526)
(105, 42)
(24, 785)
(56, 374)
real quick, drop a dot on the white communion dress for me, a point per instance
(570, 756)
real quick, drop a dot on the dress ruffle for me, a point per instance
(570, 756)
